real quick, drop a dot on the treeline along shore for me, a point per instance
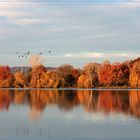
(92, 75)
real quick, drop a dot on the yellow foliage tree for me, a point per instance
(52, 79)
(92, 71)
(134, 77)
(84, 81)
(37, 73)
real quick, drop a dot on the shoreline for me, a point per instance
(99, 88)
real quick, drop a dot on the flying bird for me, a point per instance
(49, 51)
(40, 53)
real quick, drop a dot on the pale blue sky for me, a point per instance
(76, 32)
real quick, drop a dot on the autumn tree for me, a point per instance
(92, 71)
(84, 81)
(66, 72)
(104, 75)
(114, 74)
(52, 79)
(36, 75)
(76, 73)
(20, 80)
(135, 73)
(6, 77)
(27, 77)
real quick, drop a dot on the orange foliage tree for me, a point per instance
(19, 79)
(84, 81)
(135, 73)
(36, 75)
(52, 79)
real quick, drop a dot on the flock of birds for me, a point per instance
(26, 54)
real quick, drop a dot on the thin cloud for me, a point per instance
(101, 55)
(27, 21)
(130, 4)
(68, 28)
(96, 36)
(113, 6)
(30, 13)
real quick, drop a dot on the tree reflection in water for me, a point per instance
(106, 101)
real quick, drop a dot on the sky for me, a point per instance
(77, 32)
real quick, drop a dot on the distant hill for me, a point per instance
(26, 69)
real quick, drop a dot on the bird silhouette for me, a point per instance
(49, 51)
(40, 53)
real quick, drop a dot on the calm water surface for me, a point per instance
(70, 113)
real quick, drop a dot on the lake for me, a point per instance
(69, 113)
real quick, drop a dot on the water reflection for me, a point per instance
(105, 101)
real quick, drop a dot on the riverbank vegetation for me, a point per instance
(92, 75)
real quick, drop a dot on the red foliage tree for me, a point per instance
(114, 75)
(76, 74)
(5, 72)
(5, 76)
